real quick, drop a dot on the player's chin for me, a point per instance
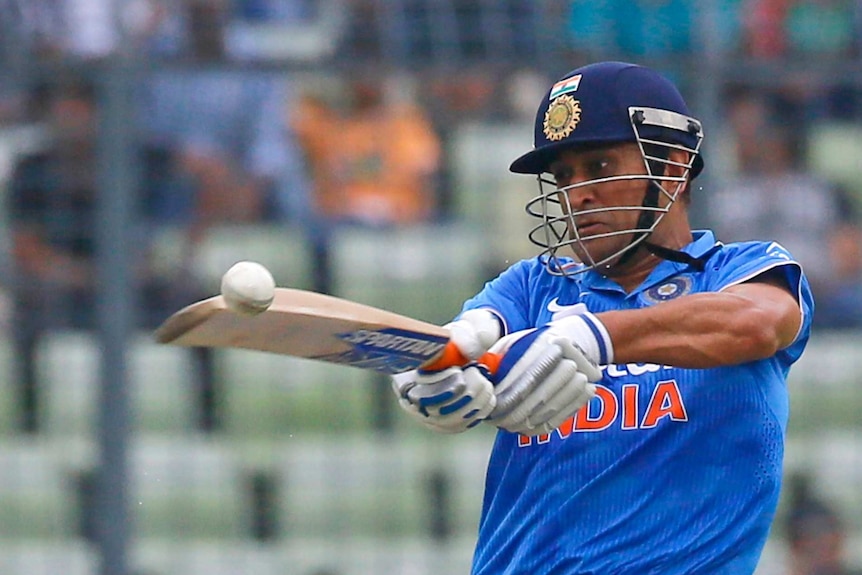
(600, 250)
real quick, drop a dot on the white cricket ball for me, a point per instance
(248, 288)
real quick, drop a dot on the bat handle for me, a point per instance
(452, 357)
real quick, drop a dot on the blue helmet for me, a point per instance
(604, 104)
(593, 105)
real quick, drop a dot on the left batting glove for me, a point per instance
(547, 374)
(448, 401)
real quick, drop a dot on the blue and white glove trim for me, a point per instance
(587, 332)
(448, 401)
(547, 374)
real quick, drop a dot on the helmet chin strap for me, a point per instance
(675, 256)
(645, 222)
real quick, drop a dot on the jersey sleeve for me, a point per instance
(748, 260)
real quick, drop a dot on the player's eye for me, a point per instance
(597, 167)
(563, 176)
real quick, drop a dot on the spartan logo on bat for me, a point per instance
(562, 118)
(387, 350)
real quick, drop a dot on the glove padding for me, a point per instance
(543, 380)
(475, 331)
(448, 401)
(458, 398)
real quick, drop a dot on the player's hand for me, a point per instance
(448, 401)
(474, 332)
(546, 375)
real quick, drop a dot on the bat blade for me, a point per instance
(315, 326)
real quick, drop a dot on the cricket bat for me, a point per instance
(316, 326)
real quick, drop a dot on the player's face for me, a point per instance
(587, 204)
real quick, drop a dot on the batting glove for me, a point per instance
(475, 331)
(454, 399)
(448, 401)
(547, 374)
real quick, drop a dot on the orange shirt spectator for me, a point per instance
(375, 164)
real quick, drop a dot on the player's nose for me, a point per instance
(579, 193)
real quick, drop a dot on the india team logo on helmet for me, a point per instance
(562, 117)
(602, 113)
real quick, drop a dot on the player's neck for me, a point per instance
(634, 271)
(636, 268)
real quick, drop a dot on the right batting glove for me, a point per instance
(448, 401)
(456, 398)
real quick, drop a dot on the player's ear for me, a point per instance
(678, 159)
(675, 167)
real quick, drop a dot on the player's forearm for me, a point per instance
(696, 331)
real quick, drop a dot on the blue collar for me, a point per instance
(702, 245)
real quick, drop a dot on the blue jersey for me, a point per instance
(666, 470)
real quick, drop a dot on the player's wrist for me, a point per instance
(589, 333)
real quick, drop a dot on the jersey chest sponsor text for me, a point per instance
(621, 405)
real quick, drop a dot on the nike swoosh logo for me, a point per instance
(555, 307)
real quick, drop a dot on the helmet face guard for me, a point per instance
(600, 105)
(558, 227)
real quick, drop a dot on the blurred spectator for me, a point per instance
(308, 30)
(632, 28)
(285, 11)
(815, 533)
(807, 99)
(838, 302)
(816, 30)
(374, 163)
(799, 28)
(821, 28)
(432, 32)
(772, 196)
(471, 94)
(764, 32)
(55, 29)
(229, 129)
(13, 104)
(53, 209)
(523, 88)
(157, 27)
(262, 30)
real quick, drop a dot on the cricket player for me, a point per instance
(641, 401)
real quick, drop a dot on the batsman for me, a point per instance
(641, 400)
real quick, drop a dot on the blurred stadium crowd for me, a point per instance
(360, 148)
